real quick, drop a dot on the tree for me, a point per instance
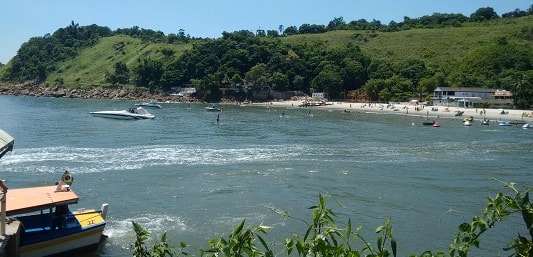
(523, 90)
(121, 74)
(148, 73)
(311, 29)
(427, 85)
(336, 24)
(260, 33)
(484, 14)
(258, 74)
(209, 89)
(328, 81)
(279, 81)
(272, 33)
(291, 30)
(412, 70)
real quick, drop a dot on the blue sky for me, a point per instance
(23, 19)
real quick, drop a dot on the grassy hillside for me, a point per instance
(92, 64)
(437, 47)
(441, 49)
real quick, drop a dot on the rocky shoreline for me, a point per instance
(32, 88)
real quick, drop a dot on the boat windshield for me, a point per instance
(141, 111)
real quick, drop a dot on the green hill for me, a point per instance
(92, 64)
(441, 47)
(386, 63)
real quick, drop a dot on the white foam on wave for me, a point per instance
(94, 160)
(121, 233)
(90, 160)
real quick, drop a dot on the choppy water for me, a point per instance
(184, 174)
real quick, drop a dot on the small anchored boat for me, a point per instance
(213, 108)
(151, 104)
(504, 123)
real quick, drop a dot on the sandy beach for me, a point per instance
(431, 112)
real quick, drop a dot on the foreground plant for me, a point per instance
(159, 249)
(497, 209)
(323, 238)
(239, 243)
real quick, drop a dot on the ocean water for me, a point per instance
(195, 179)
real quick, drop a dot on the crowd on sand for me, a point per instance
(417, 109)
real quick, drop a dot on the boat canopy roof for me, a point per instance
(6, 143)
(32, 199)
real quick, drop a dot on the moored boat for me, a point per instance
(504, 123)
(37, 221)
(138, 113)
(151, 104)
(213, 108)
(467, 121)
(43, 224)
(428, 122)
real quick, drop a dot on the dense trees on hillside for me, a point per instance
(240, 62)
(37, 57)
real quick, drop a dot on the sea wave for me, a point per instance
(89, 160)
(120, 231)
(93, 160)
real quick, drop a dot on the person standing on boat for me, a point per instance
(58, 217)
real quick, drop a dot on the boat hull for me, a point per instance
(149, 105)
(113, 116)
(84, 240)
(504, 123)
(83, 232)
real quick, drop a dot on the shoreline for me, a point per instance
(404, 108)
(429, 112)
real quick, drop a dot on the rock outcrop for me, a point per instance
(32, 88)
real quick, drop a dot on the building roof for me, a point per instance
(465, 89)
(32, 199)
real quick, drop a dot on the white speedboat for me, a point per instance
(137, 113)
(151, 104)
